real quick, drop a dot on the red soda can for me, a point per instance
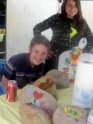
(11, 92)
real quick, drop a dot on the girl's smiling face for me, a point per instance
(71, 8)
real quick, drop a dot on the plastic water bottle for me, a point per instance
(83, 87)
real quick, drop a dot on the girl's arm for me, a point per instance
(46, 24)
(4, 80)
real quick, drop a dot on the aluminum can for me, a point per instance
(11, 92)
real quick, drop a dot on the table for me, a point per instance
(9, 111)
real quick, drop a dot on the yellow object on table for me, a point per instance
(2, 33)
(9, 111)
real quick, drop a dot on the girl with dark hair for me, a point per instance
(68, 28)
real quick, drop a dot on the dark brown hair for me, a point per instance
(78, 19)
(40, 39)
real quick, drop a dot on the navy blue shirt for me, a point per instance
(19, 68)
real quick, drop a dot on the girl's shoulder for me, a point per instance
(56, 16)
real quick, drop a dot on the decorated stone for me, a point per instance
(38, 97)
(70, 114)
(31, 114)
(47, 84)
(61, 79)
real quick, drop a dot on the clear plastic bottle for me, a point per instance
(83, 87)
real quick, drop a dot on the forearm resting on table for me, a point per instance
(4, 80)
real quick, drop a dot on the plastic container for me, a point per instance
(83, 87)
(90, 118)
